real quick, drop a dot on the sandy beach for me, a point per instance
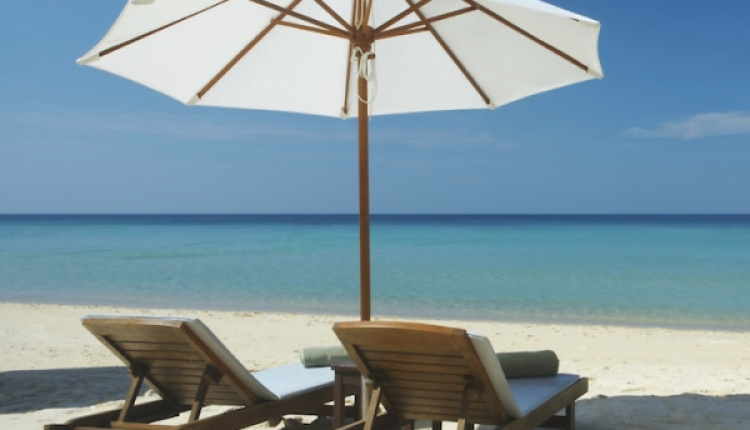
(52, 369)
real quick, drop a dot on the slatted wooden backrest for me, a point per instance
(174, 357)
(424, 371)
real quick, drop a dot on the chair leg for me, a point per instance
(463, 422)
(210, 375)
(135, 387)
(372, 408)
(570, 415)
(562, 422)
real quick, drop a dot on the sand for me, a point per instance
(52, 369)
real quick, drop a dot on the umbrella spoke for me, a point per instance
(530, 36)
(333, 14)
(310, 29)
(412, 8)
(157, 30)
(274, 22)
(288, 11)
(361, 16)
(420, 26)
(453, 57)
(345, 107)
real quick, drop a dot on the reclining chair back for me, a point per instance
(425, 372)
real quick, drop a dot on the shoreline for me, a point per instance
(423, 315)
(640, 377)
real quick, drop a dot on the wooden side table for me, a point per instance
(347, 382)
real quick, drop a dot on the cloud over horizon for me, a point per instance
(180, 126)
(697, 126)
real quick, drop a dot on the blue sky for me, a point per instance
(666, 131)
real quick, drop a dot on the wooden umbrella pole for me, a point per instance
(362, 39)
(364, 198)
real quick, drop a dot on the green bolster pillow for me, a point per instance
(528, 364)
(324, 356)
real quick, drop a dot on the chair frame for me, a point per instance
(188, 373)
(434, 373)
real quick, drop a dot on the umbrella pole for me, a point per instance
(364, 201)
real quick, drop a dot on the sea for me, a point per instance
(674, 271)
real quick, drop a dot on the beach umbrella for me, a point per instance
(349, 58)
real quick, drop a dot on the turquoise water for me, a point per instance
(685, 271)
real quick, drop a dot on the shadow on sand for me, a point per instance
(678, 412)
(683, 411)
(32, 390)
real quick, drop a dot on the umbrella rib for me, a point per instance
(274, 22)
(361, 13)
(452, 56)
(412, 8)
(333, 14)
(530, 36)
(368, 10)
(309, 28)
(156, 30)
(287, 11)
(420, 26)
(345, 108)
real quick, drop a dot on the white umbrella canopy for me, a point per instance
(319, 57)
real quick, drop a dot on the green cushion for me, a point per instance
(324, 356)
(529, 364)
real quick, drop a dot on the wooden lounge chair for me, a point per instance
(435, 373)
(182, 361)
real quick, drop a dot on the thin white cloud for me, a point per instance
(702, 125)
(430, 137)
(160, 124)
(262, 126)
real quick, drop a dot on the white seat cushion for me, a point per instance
(492, 366)
(530, 393)
(523, 395)
(293, 379)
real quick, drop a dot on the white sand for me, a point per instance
(52, 369)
